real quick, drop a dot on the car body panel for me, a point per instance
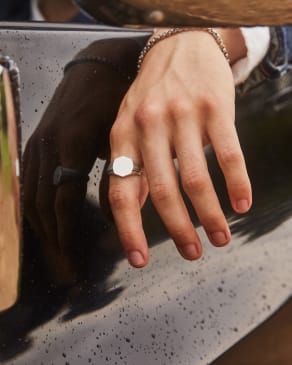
(173, 311)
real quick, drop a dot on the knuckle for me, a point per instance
(208, 104)
(115, 134)
(179, 108)
(194, 182)
(182, 235)
(213, 106)
(147, 113)
(118, 199)
(160, 192)
(127, 235)
(212, 220)
(230, 157)
(239, 187)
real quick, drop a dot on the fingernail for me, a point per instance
(242, 205)
(219, 238)
(190, 252)
(136, 258)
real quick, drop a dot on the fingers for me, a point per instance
(124, 197)
(166, 197)
(197, 184)
(230, 157)
(160, 136)
(125, 193)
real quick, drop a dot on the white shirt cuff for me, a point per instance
(36, 14)
(257, 40)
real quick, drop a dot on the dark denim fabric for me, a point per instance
(279, 57)
(288, 34)
(276, 63)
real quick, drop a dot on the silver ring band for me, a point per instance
(123, 166)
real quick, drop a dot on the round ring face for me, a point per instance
(123, 166)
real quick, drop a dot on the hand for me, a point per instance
(73, 132)
(181, 101)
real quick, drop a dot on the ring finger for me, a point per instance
(197, 184)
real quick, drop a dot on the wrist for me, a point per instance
(232, 37)
(234, 43)
(165, 33)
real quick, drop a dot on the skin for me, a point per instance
(58, 10)
(182, 100)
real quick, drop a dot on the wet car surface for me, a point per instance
(173, 311)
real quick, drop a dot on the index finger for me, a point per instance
(124, 198)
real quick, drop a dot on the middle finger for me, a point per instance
(165, 194)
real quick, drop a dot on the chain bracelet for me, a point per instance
(173, 31)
